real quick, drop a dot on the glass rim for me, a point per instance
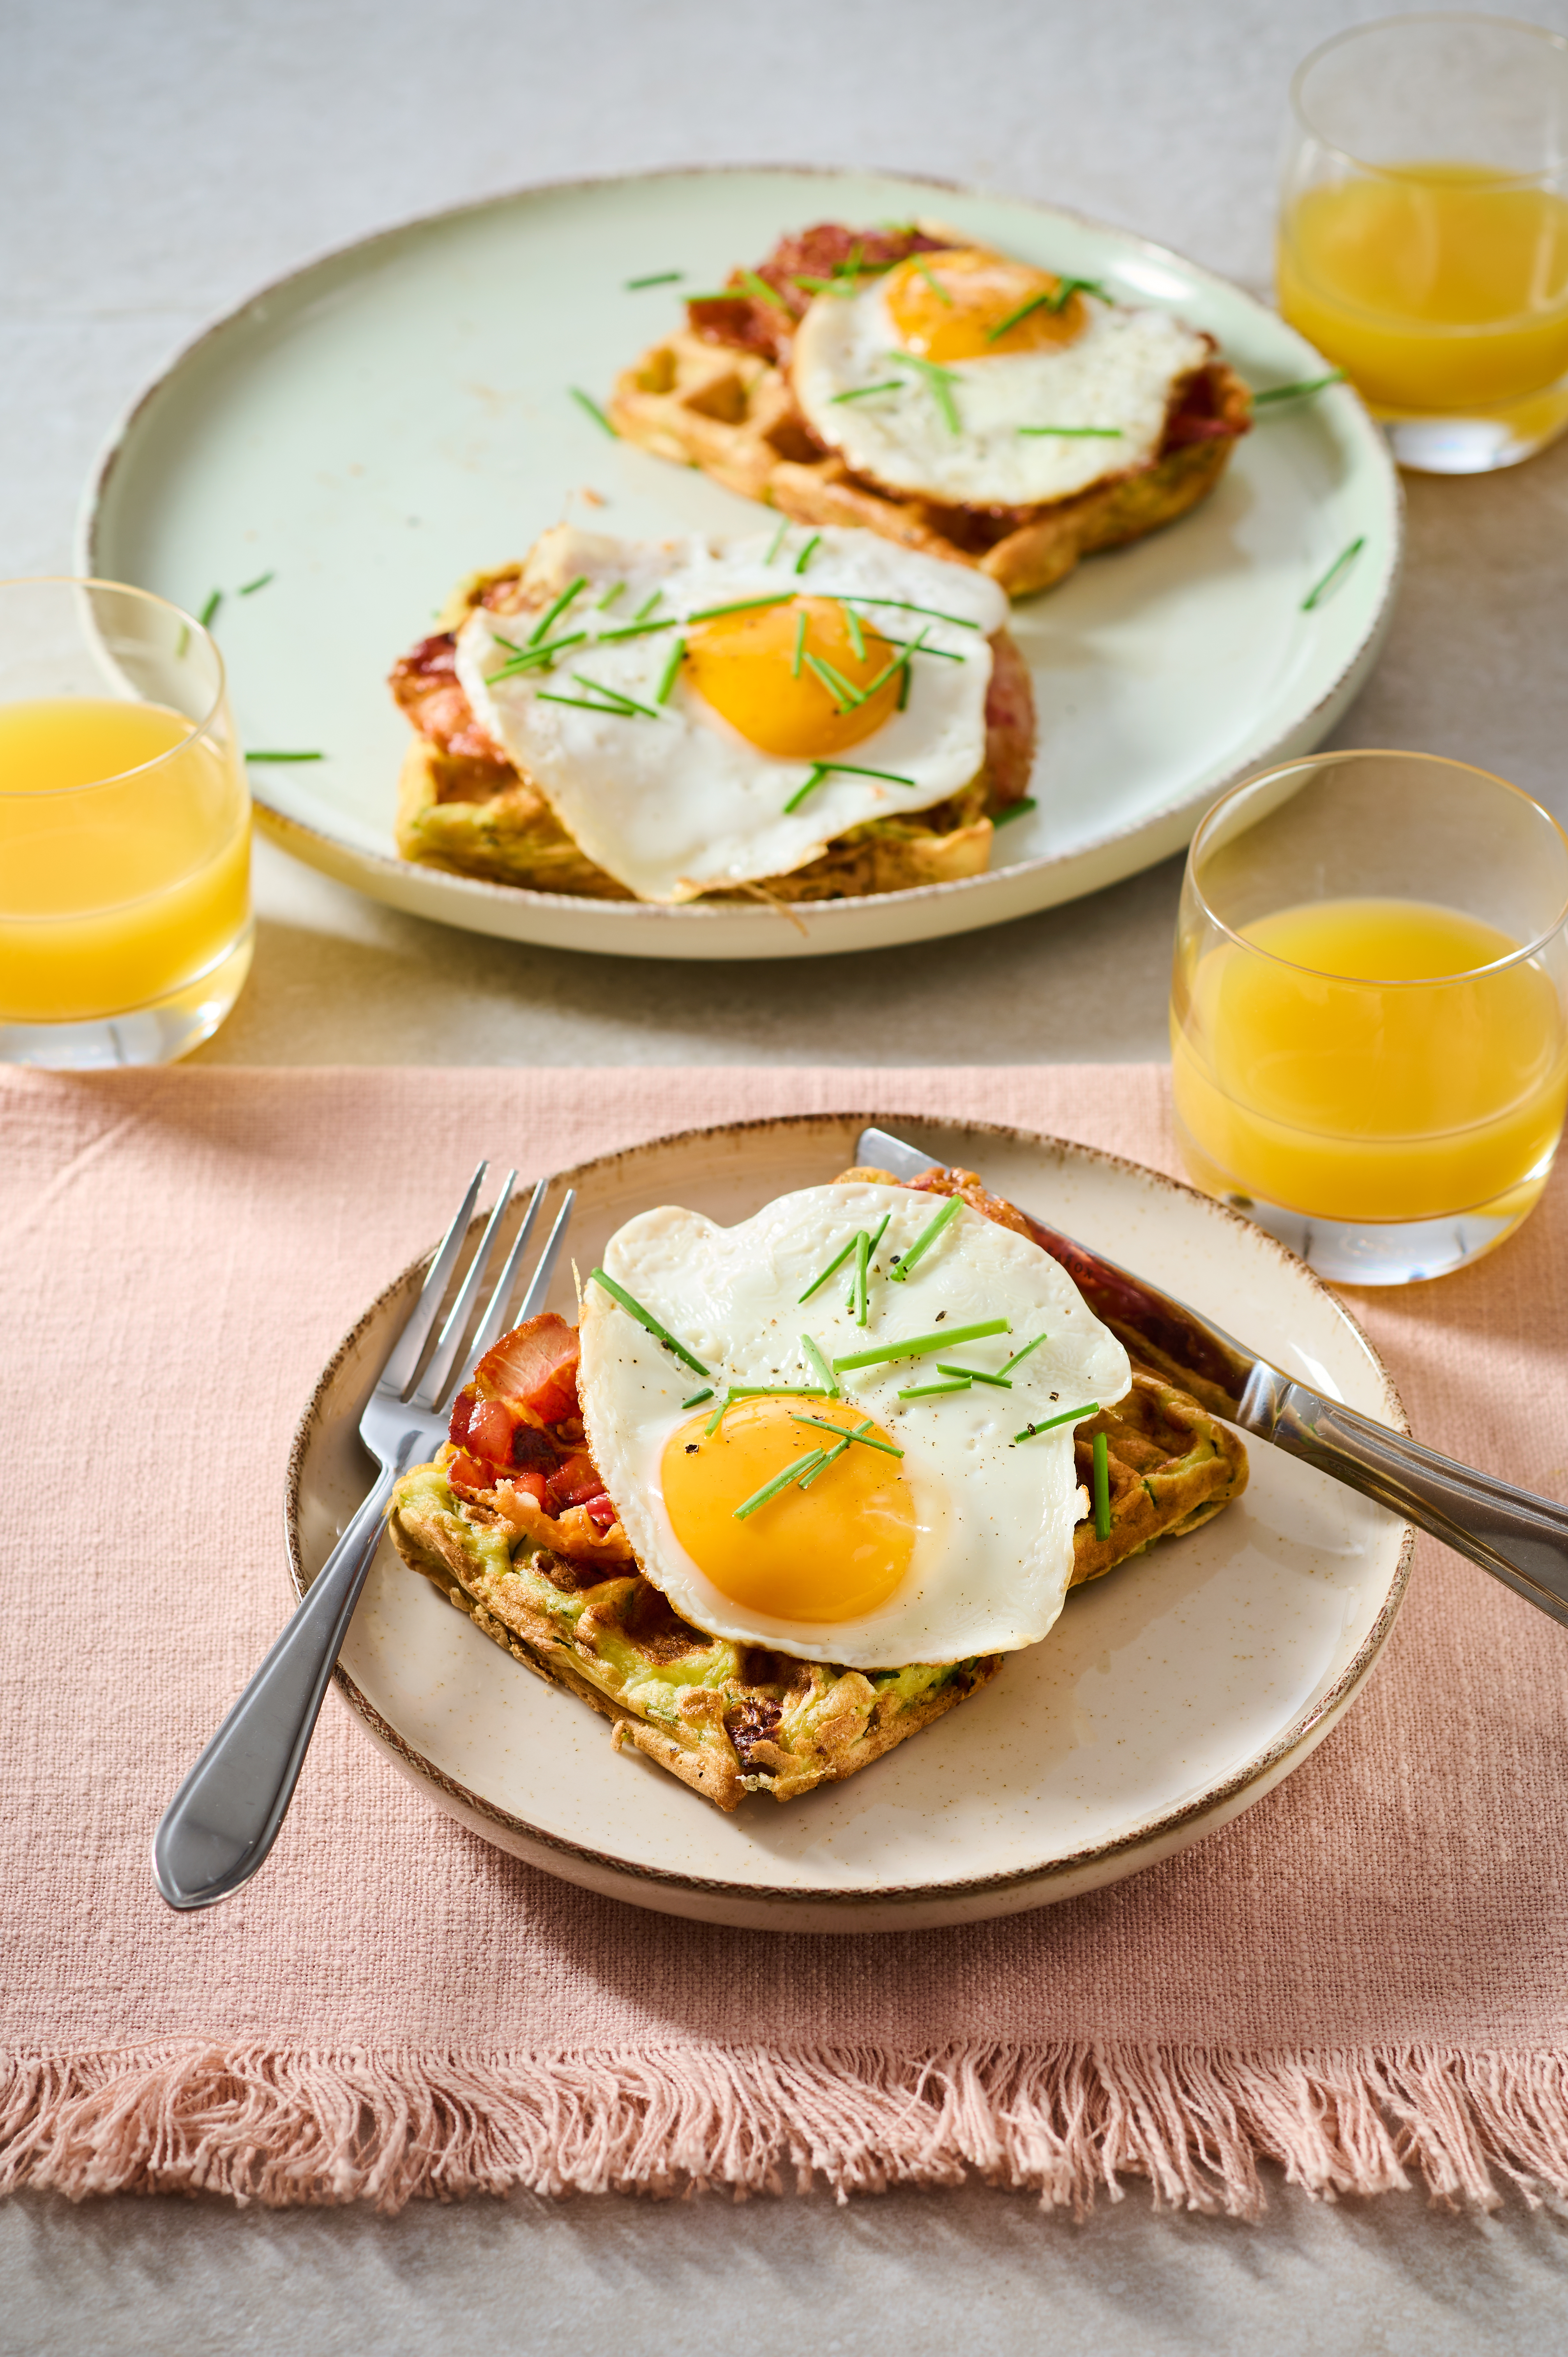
(197, 728)
(1521, 956)
(1558, 41)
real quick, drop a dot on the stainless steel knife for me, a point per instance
(1520, 1539)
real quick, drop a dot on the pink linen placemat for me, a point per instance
(1362, 1977)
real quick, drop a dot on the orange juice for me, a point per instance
(1436, 287)
(115, 894)
(1393, 1069)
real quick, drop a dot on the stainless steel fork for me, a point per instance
(225, 1817)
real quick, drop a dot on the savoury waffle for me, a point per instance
(730, 1718)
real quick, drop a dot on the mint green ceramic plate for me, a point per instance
(399, 414)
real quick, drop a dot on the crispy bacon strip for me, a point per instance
(425, 685)
(751, 323)
(537, 1364)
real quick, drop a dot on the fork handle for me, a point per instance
(1520, 1538)
(225, 1817)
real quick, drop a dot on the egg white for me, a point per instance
(682, 803)
(994, 1551)
(1119, 373)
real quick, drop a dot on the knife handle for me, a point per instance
(1520, 1539)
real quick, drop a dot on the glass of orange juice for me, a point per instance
(1370, 1009)
(125, 829)
(1423, 231)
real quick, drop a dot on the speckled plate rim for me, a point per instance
(1210, 1808)
(921, 912)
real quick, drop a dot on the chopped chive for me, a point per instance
(585, 401)
(720, 294)
(1342, 563)
(960, 622)
(209, 613)
(1067, 1416)
(1019, 1356)
(250, 589)
(1048, 296)
(975, 1375)
(808, 1464)
(1102, 1486)
(552, 613)
(862, 1279)
(776, 542)
(625, 703)
(654, 278)
(927, 1237)
(829, 1456)
(635, 630)
(861, 1433)
(285, 757)
(1019, 809)
(647, 606)
(832, 1270)
(541, 658)
(646, 1317)
(856, 633)
(793, 804)
(813, 1353)
(698, 1397)
(920, 1345)
(851, 769)
(671, 673)
(1078, 433)
(1069, 288)
(881, 1232)
(940, 381)
(610, 694)
(741, 606)
(863, 392)
(1297, 391)
(778, 1391)
(617, 589)
(933, 1390)
(807, 552)
(799, 644)
(763, 293)
(935, 284)
(604, 711)
(716, 1418)
(900, 663)
(845, 698)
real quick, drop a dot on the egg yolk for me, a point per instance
(952, 306)
(827, 1553)
(754, 670)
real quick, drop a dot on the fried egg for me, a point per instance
(714, 713)
(965, 377)
(912, 1522)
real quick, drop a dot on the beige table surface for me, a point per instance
(159, 159)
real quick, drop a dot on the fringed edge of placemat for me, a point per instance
(1065, 2122)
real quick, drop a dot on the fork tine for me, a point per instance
(398, 1372)
(533, 1300)
(444, 1358)
(495, 1319)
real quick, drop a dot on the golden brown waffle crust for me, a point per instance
(813, 1725)
(732, 414)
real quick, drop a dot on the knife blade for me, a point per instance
(1520, 1538)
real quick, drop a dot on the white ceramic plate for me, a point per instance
(1169, 1696)
(391, 418)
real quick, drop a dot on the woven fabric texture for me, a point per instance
(182, 1250)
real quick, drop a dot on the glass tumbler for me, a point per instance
(1423, 231)
(1370, 1009)
(125, 928)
